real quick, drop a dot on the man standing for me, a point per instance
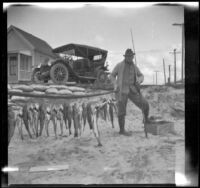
(127, 86)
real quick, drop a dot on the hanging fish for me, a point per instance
(47, 119)
(25, 117)
(60, 117)
(11, 123)
(111, 106)
(35, 117)
(95, 125)
(41, 117)
(89, 115)
(54, 120)
(68, 116)
(84, 115)
(65, 109)
(75, 119)
(19, 122)
(31, 119)
(105, 110)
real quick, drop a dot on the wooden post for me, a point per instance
(169, 80)
(156, 76)
(164, 71)
(174, 52)
(153, 79)
(174, 66)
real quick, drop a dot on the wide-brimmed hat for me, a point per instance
(129, 52)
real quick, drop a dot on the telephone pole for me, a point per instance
(156, 76)
(153, 79)
(164, 71)
(183, 47)
(174, 52)
(169, 75)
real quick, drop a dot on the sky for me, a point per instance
(108, 28)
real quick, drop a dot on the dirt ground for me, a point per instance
(121, 159)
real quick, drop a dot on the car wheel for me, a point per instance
(59, 73)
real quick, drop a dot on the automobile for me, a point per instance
(75, 62)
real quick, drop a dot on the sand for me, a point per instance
(121, 159)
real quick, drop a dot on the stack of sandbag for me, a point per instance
(24, 88)
(41, 88)
(51, 91)
(48, 89)
(19, 99)
(77, 90)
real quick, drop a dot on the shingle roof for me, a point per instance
(39, 44)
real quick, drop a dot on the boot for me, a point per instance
(121, 121)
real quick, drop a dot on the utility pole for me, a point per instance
(156, 76)
(133, 46)
(183, 47)
(174, 52)
(164, 71)
(169, 75)
(153, 79)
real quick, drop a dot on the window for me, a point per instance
(97, 57)
(13, 65)
(25, 67)
(25, 62)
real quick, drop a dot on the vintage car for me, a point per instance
(76, 62)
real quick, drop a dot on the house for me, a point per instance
(25, 52)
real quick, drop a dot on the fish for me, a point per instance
(67, 109)
(47, 119)
(111, 106)
(95, 125)
(89, 115)
(92, 117)
(11, 124)
(105, 110)
(84, 115)
(75, 119)
(41, 117)
(25, 117)
(19, 123)
(53, 118)
(31, 119)
(35, 117)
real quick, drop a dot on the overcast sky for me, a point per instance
(109, 28)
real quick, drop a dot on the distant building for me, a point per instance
(25, 52)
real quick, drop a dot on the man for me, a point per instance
(127, 86)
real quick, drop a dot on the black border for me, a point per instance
(191, 100)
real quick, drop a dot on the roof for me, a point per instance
(38, 44)
(81, 50)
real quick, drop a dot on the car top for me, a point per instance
(80, 50)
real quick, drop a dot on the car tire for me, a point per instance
(59, 73)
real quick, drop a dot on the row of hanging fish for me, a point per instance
(37, 117)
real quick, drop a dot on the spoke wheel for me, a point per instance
(59, 73)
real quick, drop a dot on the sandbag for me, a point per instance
(64, 92)
(9, 87)
(79, 93)
(58, 86)
(38, 92)
(40, 87)
(16, 90)
(24, 88)
(51, 91)
(19, 98)
(74, 88)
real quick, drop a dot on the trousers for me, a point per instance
(136, 98)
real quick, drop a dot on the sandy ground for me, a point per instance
(122, 159)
